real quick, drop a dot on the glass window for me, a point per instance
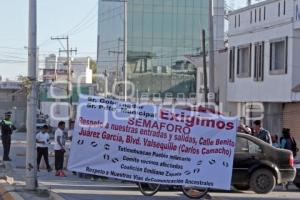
(278, 58)
(244, 61)
(235, 21)
(189, 27)
(138, 25)
(259, 61)
(241, 144)
(253, 148)
(157, 25)
(147, 25)
(160, 33)
(167, 25)
(231, 64)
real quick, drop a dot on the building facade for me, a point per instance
(13, 98)
(55, 100)
(264, 65)
(56, 68)
(160, 34)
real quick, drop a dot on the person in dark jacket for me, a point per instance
(7, 129)
(262, 133)
(288, 142)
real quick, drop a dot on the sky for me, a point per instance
(55, 18)
(76, 18)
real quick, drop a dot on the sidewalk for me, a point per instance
(60, 188)
(12, 179)
(48, 182)
(10, 189)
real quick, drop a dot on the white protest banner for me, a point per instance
(148, 143)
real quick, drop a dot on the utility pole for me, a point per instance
(31, 164)
(125, 49)
(118, 55)
(105, 83)
(211, 55)
(204, 68)
(69, 71)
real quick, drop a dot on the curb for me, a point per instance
(52, 195)
(55, 196)
(7, 193)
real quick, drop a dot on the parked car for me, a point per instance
(260, 166)
(297, 179)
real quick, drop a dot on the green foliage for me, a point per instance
(93, 66)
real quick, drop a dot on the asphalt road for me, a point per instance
(74, 188)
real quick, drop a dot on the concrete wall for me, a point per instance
(221, 76)
(219, 23)
(273, 117)
(291, 119)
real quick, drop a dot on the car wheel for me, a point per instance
(262, 181)
(242, 187)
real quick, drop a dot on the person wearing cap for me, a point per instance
(42, 142)
(7, 129)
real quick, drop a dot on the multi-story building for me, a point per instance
(57, 68)
(264, 63)
(81, 70)
(160, 34)
(55, 97)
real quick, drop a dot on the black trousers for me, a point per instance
(6, 141)
(42, 152)
(59, 159)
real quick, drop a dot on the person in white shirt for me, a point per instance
(42, 142)
(71, 129)
(59, 148)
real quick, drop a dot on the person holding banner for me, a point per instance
(59, 148)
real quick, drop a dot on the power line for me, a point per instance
(90, 20)
(82, 21)
(88, 25)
